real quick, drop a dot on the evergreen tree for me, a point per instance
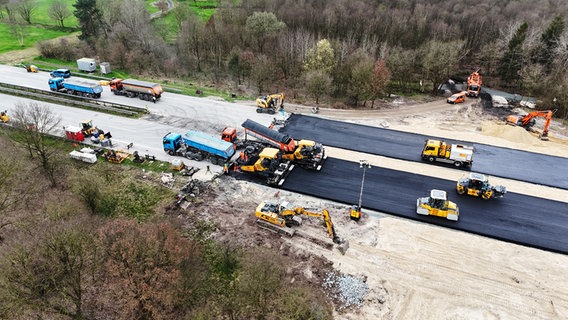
(90, 19)
(512, 60)
(544, 52)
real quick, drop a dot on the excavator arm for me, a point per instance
(327, 220)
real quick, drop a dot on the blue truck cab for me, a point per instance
(172, 142)
(55, 83)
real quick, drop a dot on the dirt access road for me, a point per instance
(414, 270)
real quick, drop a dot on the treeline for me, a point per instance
(351, 51)
(84, 241)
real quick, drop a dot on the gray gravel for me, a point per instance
(348, 290)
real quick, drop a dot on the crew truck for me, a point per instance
(457, 154)
(136, 88)
(198, 146)
(76, 87)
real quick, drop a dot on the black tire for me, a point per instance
(458, 164)
(171, 152)
(258, 110)
(431, 159)
(213, 160)
(271, 111)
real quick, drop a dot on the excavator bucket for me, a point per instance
(341, 245)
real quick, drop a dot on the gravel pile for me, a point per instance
(348, 290)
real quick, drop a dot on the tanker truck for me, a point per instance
(75, 86)
(131, 88)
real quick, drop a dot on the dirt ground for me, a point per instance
(406, 269)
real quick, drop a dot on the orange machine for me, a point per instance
(474, 84)
(529, 121)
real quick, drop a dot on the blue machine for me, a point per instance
(76, 87)
(198, 146)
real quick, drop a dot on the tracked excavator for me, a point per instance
(281, 219)
(270, 103)
(529, 121)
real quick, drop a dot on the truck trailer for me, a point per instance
(75, 86)
(198, 146)
(457, 154)
(131, 88)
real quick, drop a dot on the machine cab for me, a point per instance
(229, 134)
(171, 142)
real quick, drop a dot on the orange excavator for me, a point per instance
(473, 84)
(529, 121)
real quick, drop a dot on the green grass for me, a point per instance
(32, 35)
(41, 16)
(203, 9)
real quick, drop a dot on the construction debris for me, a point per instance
(348, 290)
(167, 180)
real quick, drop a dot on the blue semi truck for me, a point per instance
(198, 146)
(77, 87)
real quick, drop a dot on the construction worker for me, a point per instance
(208, 170)
(148, 109)
(226, 168)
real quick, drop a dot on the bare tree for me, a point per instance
(25, 9)
(36, 121)
(59, 11)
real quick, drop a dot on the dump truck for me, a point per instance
(131, 88)
(76, 87)
(457, 154)
(305, 153)
(198, 146)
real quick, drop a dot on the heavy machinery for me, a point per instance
(305, 153)
(437, 204)
(477, 185)
(474, 84)
(281, 219)
(31, 68)
(268, 164)
(116, 156)
(457, 154)
(88, 128)
(76, 87)
(4, 117)
(136, 88)
(529, 121)
(198, 146)
(270, 103)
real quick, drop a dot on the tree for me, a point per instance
(52, 276)
(380, 77)
(320, 57)
(361, 74)
(25, 9)
(90, 19)
(549, 40)
(36, 121)
(513, 59)
(59, 11)
(440, 60)
(318, 83)
(143, 264)
(262, 73)
(262, 25)
(13, 183)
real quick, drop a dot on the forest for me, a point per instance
(337, 52)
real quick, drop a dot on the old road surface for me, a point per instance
(495, 161)
(516, 218)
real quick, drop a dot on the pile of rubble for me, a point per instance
(347, 290)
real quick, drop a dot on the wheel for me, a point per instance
(213, 160)
(431, 159)
(115, 92)
(271, 111)
(171, 152)
(460, 190)
(258, 110)
(457, 164)
(141, 97)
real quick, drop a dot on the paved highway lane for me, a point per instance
(515, 218)
(496, 161)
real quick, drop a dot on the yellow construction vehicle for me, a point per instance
(438, 205)
(32, 68)
(279, 218)
(477, 185)
(268, 163)
(88, 128)
(116, 156)
(4, 117)
(270, 104)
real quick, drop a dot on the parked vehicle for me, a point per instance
(457, 97)
(60, 73)
(82, 88)
(457, 154)
(198, 146)
(136, 88)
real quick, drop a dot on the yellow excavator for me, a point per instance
(279, 218)
(268, 163)
(270, 104)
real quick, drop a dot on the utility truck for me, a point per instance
(457, 154)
